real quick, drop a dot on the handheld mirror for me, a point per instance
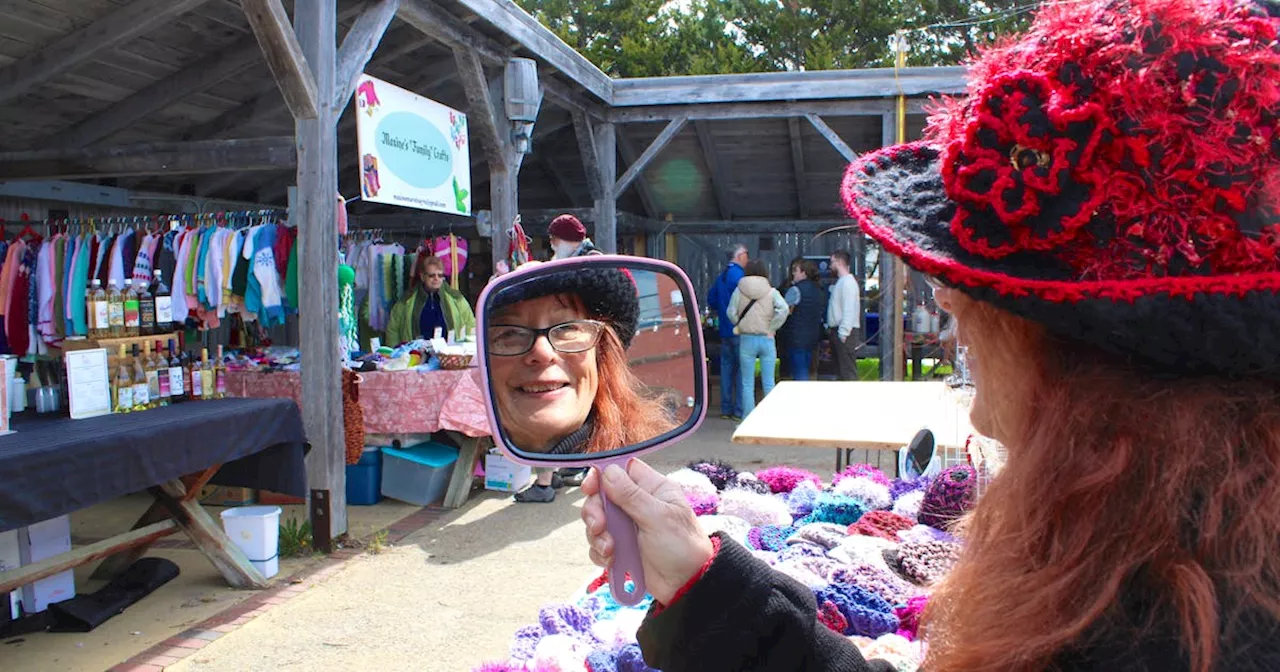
(589, 362)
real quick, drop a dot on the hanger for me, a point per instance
(27, 231)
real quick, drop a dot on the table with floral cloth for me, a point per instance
(398, 404)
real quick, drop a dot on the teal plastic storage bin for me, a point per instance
(417, 474)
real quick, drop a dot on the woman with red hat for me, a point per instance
(1101, 215)
(569, 238)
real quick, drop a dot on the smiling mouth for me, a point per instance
(541, 388)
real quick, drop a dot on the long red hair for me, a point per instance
(1113, 474)
(625, 413)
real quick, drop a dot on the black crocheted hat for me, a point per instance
(608, 294)
(1114, 174)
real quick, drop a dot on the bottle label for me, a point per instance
(176, 384)
(101, 315)
(141, 394)
(153, 384)
(124, 398)
(147, 315)
(221, 385)
(197, 387)
(116, 315)
(164, 310)
(162, 378)
(130, 313)
(206, 379)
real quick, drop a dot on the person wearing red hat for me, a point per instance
(1101, 215)
(569, 238)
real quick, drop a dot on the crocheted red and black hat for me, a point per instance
(1113, 174)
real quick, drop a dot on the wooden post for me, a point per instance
(606, 233)
(316, 216)
(890, 290)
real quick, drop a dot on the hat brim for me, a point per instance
(1203, 325)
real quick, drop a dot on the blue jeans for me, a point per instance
(730, 399)
(750, 347)
(800, 359)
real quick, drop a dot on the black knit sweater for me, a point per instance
(742, 615)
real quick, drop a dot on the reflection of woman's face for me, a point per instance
(543, 395)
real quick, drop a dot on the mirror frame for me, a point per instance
(697, 346)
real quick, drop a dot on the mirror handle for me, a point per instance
(626, 555)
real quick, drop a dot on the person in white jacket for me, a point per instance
(844, 317)
(758, 311)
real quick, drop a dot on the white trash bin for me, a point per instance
(256, 530)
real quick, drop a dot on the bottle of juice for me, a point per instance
(115, 310)
(131, 308)
(99, 312)
(122, 386)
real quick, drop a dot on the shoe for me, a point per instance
(556, 481)
(539, 494)
(726, 416)
(572, 477)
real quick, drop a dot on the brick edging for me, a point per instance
(188, 642)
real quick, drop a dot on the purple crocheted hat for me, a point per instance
(769, 537)
(863, 470)
(864, 612)
(748, 481)
(785, 479)
(721, 473)
(949, 496)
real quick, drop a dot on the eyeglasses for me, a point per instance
(509, 340)
(435, 275)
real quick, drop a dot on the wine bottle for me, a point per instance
(115, 308)
(152, 371)
(220, 377)
(122, 386)
(146, 309)
(206, 374)
(197, 379)
(141, 390)
(177, 384)
(131, 318)
(162, 372)
(164, 303)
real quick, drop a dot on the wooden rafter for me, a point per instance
(761, 110)
(155, 158)
(263, 104)
(284, 56)
(832, 137)
(784, 86)
(480, 116)
(629, 154)
(719, 179)
(797, 163)
(124, 24)
(664, 138)
(192, 79)
(585, 134)
(359, 45)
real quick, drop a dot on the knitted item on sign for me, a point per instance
(755, 508)
(769, 537)
(949, 496)
(860, 471)
(834, 508)
(927, 562)
(909, 616)
(785, 479)
(802, 498)
(881, 524)
(864, 612)
(733, 527)
(872, 494)
(692, 482)
(826, 535)
(721, 473)
(702, 503)
(748, 481)
(909, 504)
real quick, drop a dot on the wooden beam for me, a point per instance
(629, 154)
(761, 110)
(158, 158)
(585, 134)
(606, 224)
(224, 64)
(783, 86)
(122, 25)
(315, 209)
(208, 536)
(648, 155)
(544, 44)
(480, 113)
(264, 104)
(719, 180)
(84, 555)
(797, 164)
(285, 57)
(832, 137)
(358, 47)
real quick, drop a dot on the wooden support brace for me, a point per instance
(832, 137)
(358, 47)
(629, 154)
(284, 56)
(208, 536)
(797, 163)
(583, 129)
(143, 536)
(659, 143)
(480, 112)
(463, 470)
(719, 180)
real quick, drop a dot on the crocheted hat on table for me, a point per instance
(926, 562)
(884, 524)
(785, 479)
(860, 611)
(720, 473)
(1114, 175)
(949, 496)
(769, 537)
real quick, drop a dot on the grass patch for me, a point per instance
(378, 542)
(295, 538)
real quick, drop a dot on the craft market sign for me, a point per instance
(413, 151)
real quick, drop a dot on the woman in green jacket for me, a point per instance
(432, 305)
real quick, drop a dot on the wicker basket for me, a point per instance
(455, 362)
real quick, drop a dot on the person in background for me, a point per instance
(569, 238)
(844, 316)
(433, 304)
(718, 300)
(807, 301)
(758, 311)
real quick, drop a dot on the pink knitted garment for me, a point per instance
(785, 479)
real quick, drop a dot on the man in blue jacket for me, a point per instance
(718, 299)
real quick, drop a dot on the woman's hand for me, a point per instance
(672, 546)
